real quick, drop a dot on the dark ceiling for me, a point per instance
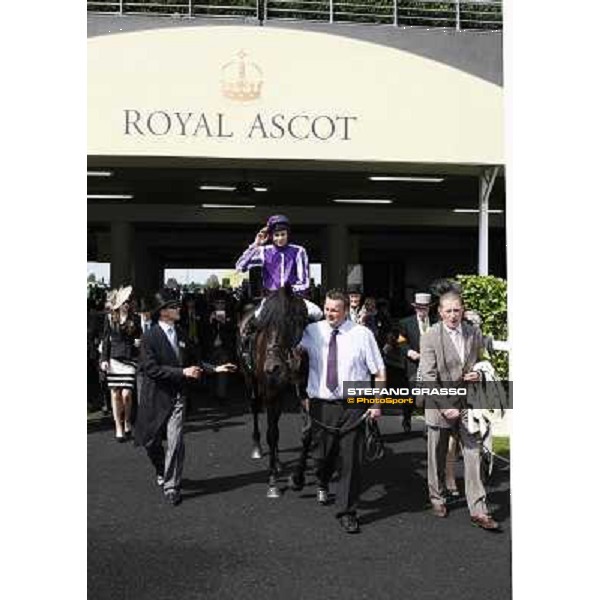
(289, 187)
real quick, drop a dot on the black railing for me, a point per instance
(452, 14)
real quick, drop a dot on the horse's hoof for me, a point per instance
(256, 453)
(273, 492)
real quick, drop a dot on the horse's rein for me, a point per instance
(340, 430)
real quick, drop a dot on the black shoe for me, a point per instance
(173, 497)
(349, 523)
(296, 482)
(451, 493)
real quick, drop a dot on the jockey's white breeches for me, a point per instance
(314, 312)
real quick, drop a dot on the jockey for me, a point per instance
(282, 263)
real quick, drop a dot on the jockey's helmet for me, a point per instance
(277, 223)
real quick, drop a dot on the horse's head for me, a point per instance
(281, 325)
(275, 367)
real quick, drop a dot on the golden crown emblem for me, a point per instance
(241, 79)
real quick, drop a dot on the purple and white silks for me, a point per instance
(288, 264)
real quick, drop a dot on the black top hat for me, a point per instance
(146, 303)
(164, 299)
(219, 294)
(189, 297)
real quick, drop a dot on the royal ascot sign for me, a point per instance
(275, 127)
(245, 92)
(241, 81)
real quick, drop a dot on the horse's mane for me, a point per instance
(285, 313)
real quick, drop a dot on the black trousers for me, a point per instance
(347, 446)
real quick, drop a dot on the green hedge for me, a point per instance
(488, 296)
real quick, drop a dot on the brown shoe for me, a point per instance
(485, 522)
(439, 510)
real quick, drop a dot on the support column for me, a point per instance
(336, 256)
(147, 270)
(486, 183)
(121, 253)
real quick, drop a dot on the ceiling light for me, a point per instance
(109, 196)
(243, 187)
(476, 210)
(362, 200)
(99, 173)
(217, 188)
(417, 179)
(228, 206)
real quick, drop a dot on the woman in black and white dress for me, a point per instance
(121, 338)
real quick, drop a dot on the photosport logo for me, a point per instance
(440, 395)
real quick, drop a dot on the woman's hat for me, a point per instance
(121, 296)
(354, 288)
(110, 299)
(422, 300)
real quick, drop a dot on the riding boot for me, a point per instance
(248, 343)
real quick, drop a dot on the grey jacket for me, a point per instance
(441, 363)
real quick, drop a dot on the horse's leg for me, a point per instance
(273, 414)
(255, 404)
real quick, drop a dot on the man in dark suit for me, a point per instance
(165, 366)
(219, 341)
(192, 324)
(409, 340)
(449, 350)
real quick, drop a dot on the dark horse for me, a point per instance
(276, 366)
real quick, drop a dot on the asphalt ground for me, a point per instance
(228, 540)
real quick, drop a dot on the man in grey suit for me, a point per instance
(166, 365)
(449, 350)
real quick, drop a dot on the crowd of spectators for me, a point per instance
(209, 318)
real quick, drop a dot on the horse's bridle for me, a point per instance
(277, 351)
(285, 356)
